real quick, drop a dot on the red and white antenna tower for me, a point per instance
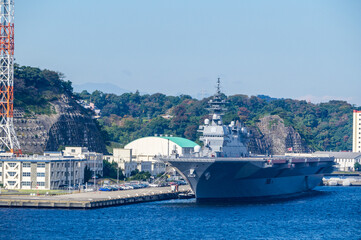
(8, 139)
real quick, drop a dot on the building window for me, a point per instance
(12, 174)
(11, 183)
(40, 174)
(1, 174)
(73, 150)
(26, 174)
(1, 164)
(41, 165)
(40, 184)
(26, 183)
(12, 164)
(26, 165)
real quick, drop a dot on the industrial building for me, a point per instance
(123, 157)
(147, 148)
(53, 170)
(94, 160)
(140, 154)
(50, 171)
(356, 133)
(345, 161)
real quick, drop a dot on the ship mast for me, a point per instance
(217, 105)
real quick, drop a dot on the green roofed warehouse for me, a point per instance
(145, 149)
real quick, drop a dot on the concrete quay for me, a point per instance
(91, 200)
(342, 181)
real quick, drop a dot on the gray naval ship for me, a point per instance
(223, 169)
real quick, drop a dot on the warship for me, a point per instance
(223, 169)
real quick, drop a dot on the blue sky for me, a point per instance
(293, 49)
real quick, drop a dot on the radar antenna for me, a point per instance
(219, 86)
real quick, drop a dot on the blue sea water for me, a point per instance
(327, 213)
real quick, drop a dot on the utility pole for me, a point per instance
(8, 139)
(94, 174)
(117, 173)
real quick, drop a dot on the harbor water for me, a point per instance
(326, 213)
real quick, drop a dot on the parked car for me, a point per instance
(105, 188)
(89, 189)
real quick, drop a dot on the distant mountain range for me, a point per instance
(103, 87)
(268, 98)
(112, 88)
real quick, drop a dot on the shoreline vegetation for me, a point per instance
(126, 117)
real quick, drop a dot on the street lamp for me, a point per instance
(94, 177)
(117, 173)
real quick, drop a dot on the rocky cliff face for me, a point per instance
(273, 137)
(70, 126)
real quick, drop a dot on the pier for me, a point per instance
(342, 181)
(91, 200)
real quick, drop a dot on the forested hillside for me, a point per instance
(325, 126)
(46, 115)
(36, 88)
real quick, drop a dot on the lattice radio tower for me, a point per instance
(8, 139)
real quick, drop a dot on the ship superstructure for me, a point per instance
(220, 140)
(223, 168)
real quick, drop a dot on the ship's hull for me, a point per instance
(232, 179)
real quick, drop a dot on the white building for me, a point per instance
(93, 160)
(145, 149)
(50, 171)
(345, 161)
(356, 133)
(123, 157)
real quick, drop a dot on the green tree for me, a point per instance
(87, 174)
(141, 176)
(110, 170)
(357, 166)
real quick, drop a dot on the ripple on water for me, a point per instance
(328, 213)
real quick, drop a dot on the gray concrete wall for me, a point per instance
(47, 175)
(33, 175)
